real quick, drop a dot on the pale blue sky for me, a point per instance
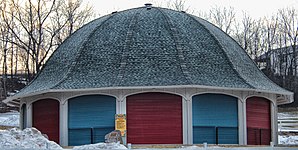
(256, 8)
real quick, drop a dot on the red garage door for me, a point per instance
(154, 118)
(258, 121)
(46, 118)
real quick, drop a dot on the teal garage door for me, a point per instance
(90, 118)
(215, 119)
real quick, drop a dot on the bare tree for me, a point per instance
(32, 19)
(69, 17)
(244, 32)
(5, 37)
(42, 26)
(289, 26)
(179, 5)
(223, 17)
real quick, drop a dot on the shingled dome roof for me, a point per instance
(149, 48)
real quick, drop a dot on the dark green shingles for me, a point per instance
(206, 60)
(241, 62)
(148, 43)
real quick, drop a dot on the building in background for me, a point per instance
(280, 61)
(176, 77)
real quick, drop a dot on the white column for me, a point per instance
(22, 116)
(244, 123)
(29, 115)
(274, 126)
(190, 129)
(241, 123)
(123, 106)
(123, 111)
(185, 120)
(64, 123)
(118, 106)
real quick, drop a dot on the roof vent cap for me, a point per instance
(148, 6)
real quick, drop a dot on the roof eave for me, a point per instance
(287, 97)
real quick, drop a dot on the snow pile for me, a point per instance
(190, 147)
(101, 146)
(29, 138)
(288, 140)
(10, 119)
(282, 115)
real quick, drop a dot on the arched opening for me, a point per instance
(258, 121)
(215, 119)
(154, 118)
(24, 117)
(46, 118)
(90, 118)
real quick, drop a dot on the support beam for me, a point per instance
(240, 123)
(64, 123)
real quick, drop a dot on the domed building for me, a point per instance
(178, 79)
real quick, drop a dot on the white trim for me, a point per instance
(217, 92)
(154, 91)
(261, 96)
(150, 87)
(88, 94)
(44, 98)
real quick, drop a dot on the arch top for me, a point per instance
(261, 97)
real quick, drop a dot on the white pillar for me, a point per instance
(184, 120)
(64, 123)
(22, 116)
(241, 122)
(29, 115)
(122, 106)
(244, 123)
(190, 129)
(118, 106)
(274, 127)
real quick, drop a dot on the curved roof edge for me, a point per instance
(282, 97)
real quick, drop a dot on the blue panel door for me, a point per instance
(215, 119)
(90, 118)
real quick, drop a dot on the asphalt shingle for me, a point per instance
(156, 47)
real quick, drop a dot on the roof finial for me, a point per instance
(148, 6)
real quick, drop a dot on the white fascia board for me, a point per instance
(290, 94)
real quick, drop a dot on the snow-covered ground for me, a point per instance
(288, 126)
(31, 138)
(101, 146)
(9, 119)
(288, 140)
